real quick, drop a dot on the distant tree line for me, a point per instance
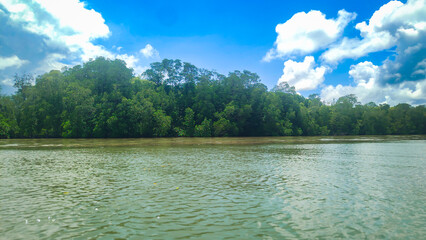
(103, 99)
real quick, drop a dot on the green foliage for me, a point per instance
(8, 124)
(78, 104)
(103, 98)
(224, 128)
(204, 129)
(162, 123)
(4, 127)
(189, 122)
(22, 82)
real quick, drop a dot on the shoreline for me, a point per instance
(196, 141)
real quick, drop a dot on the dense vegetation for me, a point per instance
(102, 98)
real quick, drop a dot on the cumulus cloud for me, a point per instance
(133, 62)
(7, 82)
(364, 73)
(149, 52)
(56, 21)
(303, 75)
(305, 33)
(401, 77)
(50, 62)
(399, 28)
(368, 87)
(13, 61)
(87, 26)
(41, 35)
(387, 28)
(407, 92)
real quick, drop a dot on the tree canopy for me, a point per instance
(103, 98)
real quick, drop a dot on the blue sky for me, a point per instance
(374, 49)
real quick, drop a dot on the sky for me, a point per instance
(373, 49)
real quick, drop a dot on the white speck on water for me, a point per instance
(158, 217)
(26, 221)
(96, 209)
(48, 217)
(38, 220)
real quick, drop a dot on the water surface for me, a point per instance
(239, 188)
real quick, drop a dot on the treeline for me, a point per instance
(102, 98)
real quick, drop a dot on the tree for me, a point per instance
(21, 82)
(285, 88)
(189, 123)
(162, 123)
(204, 129)
(5, 127)
(8, 125)
(107, 75)
(79, 110)
(346, 116)
(102, 98)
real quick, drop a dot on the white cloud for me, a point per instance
(397, 26)
(390, 26)
(134, 62)
(53, 34)
(368, 89)
(66, 27)
(50, 62)
(13, 61)
(87, 24)
(305, 33)
(407, 92)
(91, 51)
(7, 82)
(129, 59)
(67, 23)
(364, 74)
(140, 69)
(303, 75)
(354, 48)
(420, 69)
(149, 52)
(402, 76)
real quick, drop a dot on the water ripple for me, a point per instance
(226, 191)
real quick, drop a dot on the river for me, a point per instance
(214, 188)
